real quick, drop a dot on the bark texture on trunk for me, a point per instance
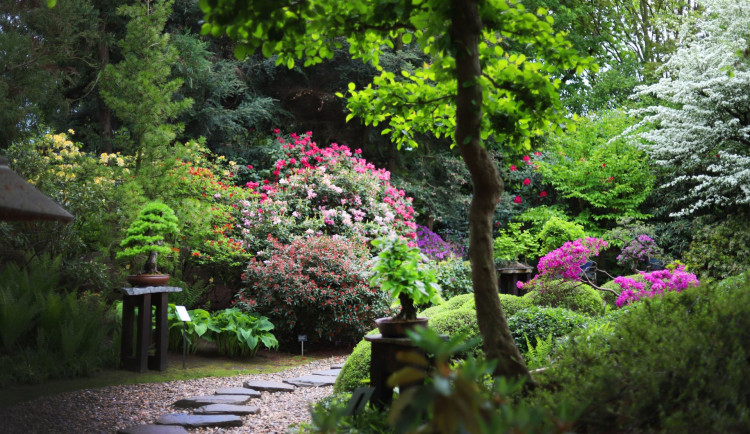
(408, 311)
(498, 341)
(103, 112)
(150, 266)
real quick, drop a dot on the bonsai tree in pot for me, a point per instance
(147, 235)
(401, 270)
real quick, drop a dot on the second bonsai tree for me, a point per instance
(401, 270)
(148, 233)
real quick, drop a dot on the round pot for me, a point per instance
(148, 279)
(396, 328)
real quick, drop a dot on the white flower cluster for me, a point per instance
(701, 130)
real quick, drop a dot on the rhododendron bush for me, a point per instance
(568, 263)
(329, 190)
(315, 285)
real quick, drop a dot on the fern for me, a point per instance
(539, 355)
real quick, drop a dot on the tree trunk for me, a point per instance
(408, 311)
(103, 112)
(150, 266)
(498, 341)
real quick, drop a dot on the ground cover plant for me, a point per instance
(235, 333)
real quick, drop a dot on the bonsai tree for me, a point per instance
(147, 234)
(401, 270)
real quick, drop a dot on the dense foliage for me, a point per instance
(706, 389)
(236, 333)
(48, 333)
(698, 132)
(315, 285)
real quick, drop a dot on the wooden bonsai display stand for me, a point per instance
(383, 363)
(143, 298)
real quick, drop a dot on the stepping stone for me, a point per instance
(337, 366)
(200, 401)
(268, 386)
(198, 421)
(153, 429)
(238, 391)
(239, 410)
(312, 381)
(329, 372)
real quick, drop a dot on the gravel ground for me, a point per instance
(108, 409)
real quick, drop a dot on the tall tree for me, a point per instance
(472, 89)
(139, 89)
(699, 130)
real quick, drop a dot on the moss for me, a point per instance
(570, 295)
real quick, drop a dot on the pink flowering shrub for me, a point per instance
(329, 190)
(566, 263)
(657, 282)
(315, 285)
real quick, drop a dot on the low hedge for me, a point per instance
(575, 296)
(675, 363)
(457, 315)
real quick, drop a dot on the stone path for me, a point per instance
(227, 406)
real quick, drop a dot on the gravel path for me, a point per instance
(107, 409)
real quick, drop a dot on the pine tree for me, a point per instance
(138, 89)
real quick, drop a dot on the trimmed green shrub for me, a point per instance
(720, 247)
(356, 370)
(676, 363)
(457, 315)
(540, 322)
(575, 296)
(454, 277)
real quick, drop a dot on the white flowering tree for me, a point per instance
(700, 129)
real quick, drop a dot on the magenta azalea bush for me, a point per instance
(329, 190)
(566, 263)
(657, 282)
(315, 285)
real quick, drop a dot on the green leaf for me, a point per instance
(51, 3)
(406, 38)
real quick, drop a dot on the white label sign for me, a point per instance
(182, 313)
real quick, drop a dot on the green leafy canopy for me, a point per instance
(520, 94)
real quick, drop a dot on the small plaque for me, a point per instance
(302, 338)
(182, 314)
